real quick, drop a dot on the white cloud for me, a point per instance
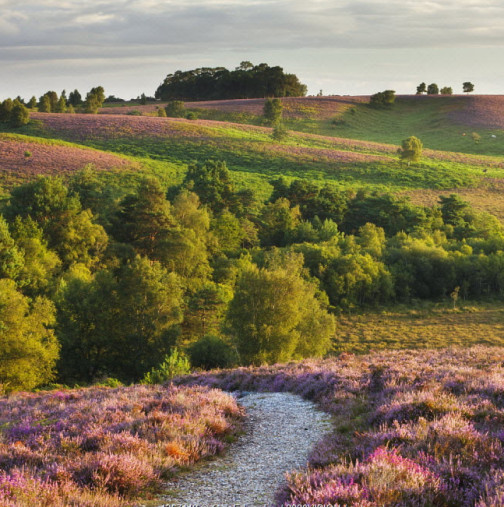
(93, 19)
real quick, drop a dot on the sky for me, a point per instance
(354, 47)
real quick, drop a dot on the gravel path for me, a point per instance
(281, 428)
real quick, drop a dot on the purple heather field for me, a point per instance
(410, 428)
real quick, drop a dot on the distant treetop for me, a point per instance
(467, 87)
(246, 81)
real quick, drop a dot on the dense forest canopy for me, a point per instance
(245, 82)
(95, 284)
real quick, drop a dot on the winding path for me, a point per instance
(281, 429)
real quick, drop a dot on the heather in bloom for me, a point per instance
(411, 427)
(104, 447)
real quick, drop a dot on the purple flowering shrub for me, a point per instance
(411, 427)
(103, 446)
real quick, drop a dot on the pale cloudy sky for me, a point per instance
(339, 46)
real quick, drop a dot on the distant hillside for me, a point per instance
(23, 158)
(441, 122)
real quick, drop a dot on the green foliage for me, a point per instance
(433, 89)
(421, 88)
(447, 90)
(44, 104)
(467, 87)
(279, 133)
(68, 229)
(277, 220)
(75, 98)
(211, 181)
(219, 83)
(175, 109)
(382, 99)
(118, 323)
(61, 106)
(94, 100)
(5, 110)
(411, 149)
(211, 352)
(19, 116)
(40, 265)
(272, 111)
(32, 104)
(11, 257)
(275, 314)
(173, 365)
(393, 214)
(28, 347)
(161, 112)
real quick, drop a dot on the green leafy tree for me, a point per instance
(276, 314)
(68, 230)
(279, 132)
(20, 115)
(211, 181)
(145, 218)
(411, 149)
(94, 100)
(433, 89)
(272, 111)
(53, 98)
(32, 104)
(41, 265)
(161, 113)
(118, 324)
(5, 110)
(11, 257)
(28, 347)
(75, 98)
(175, 109)
(205, 310)
(467, 87)
(174, 364)
(277, 220)
(44, 104)
(61, 106)
(421, 88)
(447, 90)
(382, 99)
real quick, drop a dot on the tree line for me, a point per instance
(433, 89)
(244, 82)
(17, 111)
(97, 282)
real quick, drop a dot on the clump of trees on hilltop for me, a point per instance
(17, 112)
(246, 81)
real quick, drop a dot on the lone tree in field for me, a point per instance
(467, 87)
(175, 109)
(272, 111)
(421, 88)
(411, 150)
(382, 99)
(433, 89)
